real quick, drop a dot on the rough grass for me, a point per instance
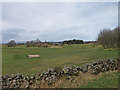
(106, 80)
(87, 80)
(15, 60)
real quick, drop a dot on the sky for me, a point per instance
(57, 21)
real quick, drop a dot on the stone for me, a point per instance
(71, 70)
(27, 86)
(59, 71)
(94, 63)
(13, 76)
(14, 81)
(32, 77)
(99, 61)
(84, 68)
(9, 79)
(6, 76)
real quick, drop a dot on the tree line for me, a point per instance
(74, 41)
(32, 43)
(37, 43)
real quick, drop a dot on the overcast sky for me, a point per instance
(58, 21)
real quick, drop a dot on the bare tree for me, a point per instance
(108, 38)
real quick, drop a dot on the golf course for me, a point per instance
(16, 60)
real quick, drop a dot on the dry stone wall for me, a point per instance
(50, 76)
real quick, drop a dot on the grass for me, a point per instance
(15, 60)
(87, 80)
(109, 80)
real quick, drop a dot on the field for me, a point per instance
(15, 60)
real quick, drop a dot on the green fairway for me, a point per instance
(15, 60)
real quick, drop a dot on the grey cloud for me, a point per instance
(12, 33)
(57, 21)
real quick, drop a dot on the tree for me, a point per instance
(37, 41)
(34, 43)
(12, 43)
(28, 44)
(108, 38)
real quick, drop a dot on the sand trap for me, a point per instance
(32, 56)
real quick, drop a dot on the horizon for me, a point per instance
(43, 41)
